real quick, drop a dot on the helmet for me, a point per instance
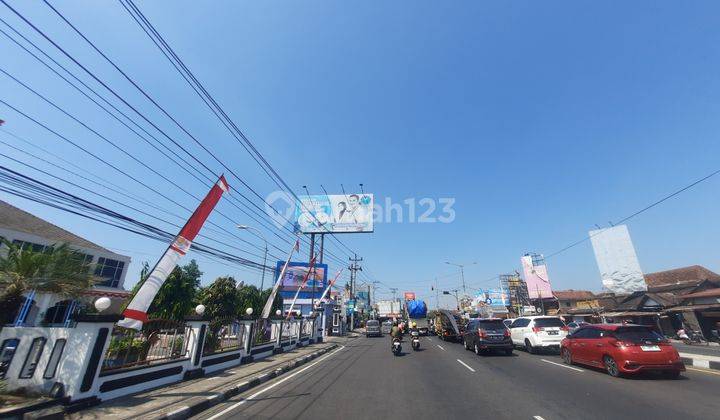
(414, 324)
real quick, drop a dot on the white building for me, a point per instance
(29, 231)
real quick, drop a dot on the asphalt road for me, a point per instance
(364, 380)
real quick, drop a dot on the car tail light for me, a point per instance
(482, 333)
(506, 333)
(538, 329)
(565, 328)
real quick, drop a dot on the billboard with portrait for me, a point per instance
(346, 213)
(294, 275)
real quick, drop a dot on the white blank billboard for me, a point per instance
(615, 255)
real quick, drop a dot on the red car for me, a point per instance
(621, 349)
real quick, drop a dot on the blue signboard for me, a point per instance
(294, 275)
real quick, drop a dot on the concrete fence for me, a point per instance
(94, 360)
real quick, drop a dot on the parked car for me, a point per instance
(485, 334)
(535, 333)
(372, 328)
(574, 325)
(622, 349)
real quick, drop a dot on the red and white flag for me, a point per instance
(302, 285)
(278, 282)
(330, 285)
(136, 312)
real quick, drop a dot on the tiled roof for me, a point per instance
(704, 293)
(572, 294)
(18, 220)
(681, 275)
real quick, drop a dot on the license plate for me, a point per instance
(552, 333)
(650, 348)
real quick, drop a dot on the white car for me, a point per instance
(538, 332)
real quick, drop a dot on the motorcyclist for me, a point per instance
(394, 332)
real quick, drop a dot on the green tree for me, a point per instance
(57, 269)
(221, 298)
(177, 296)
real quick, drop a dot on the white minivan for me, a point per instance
(538, 332)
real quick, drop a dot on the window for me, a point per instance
(110, 270)
(638, 334)
(520, 322)
(32, 359)
(23, 245)
(593, 333)
(7, 353)
(581, 333)
(54, 358)
(494, 324)
(549, 322)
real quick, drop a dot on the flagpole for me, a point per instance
(268, 305)
(307, 276)
(332, 282)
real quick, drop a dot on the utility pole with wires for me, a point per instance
(354, 267)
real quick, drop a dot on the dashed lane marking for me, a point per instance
(463, 363)
(561, 365)
(441, 347)
(538, 418)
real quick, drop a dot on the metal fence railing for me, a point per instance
(307, 327)
(264, 332)
(224, 335)
(159, 340)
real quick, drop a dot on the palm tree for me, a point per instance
(58, 269)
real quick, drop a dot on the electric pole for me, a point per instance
(354, 268)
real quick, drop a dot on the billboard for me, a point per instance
(536, 276)
(615, 255)
(294, 275)
(346, 213)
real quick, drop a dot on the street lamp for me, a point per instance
(462, 273)
(246, 227)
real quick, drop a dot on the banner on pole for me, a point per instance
(136, 312)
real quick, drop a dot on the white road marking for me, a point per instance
(267, 388)
(463, 363)
(441, 347)
(561, 365)
(538, 418)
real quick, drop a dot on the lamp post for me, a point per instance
(262, 236)
(462, 273)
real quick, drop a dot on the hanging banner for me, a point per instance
(536, 276)
(271, 299)
(136, 312)
(616, 258)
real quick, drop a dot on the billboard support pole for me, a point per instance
(312, 253)
(322, 246)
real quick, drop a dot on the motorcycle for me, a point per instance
(415, 340)
(396, 346)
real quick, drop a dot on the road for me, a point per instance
(363, 380)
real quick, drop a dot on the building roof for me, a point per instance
(572, 294)
(637, 300)
(19, 220)
(695, 273)
(705, 293)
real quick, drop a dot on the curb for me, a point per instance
(701, 363)
(199, 404)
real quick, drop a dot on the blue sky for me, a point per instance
(540, 120)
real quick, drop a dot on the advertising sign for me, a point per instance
(409, 295)
(615, 255)
(536, 276)
(351, 213)
(294, 275)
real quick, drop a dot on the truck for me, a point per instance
(387, 309)
(447, 324)
(416, 312)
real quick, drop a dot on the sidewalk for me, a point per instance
(182, 399)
